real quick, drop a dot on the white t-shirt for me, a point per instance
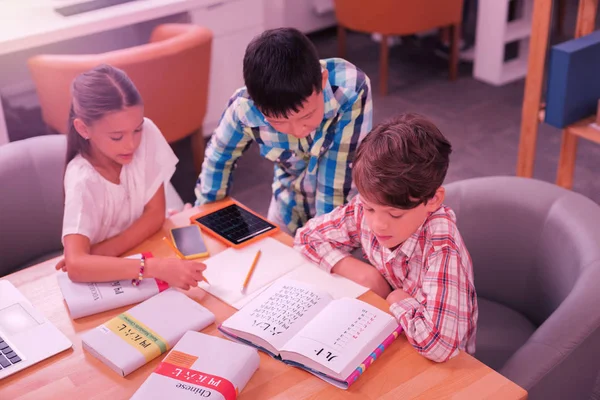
(99, 209)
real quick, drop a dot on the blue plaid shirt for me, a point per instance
(312, 174)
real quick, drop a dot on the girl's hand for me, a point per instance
(172, 212)
(177, 273)
(61, 265)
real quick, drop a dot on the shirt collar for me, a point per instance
(331, 104)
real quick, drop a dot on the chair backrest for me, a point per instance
(31, 199)
(171, 73)
(397, 17)
(531, 242)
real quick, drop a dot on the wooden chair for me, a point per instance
(399, 17)
(171, 73)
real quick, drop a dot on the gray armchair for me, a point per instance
(536, 256)
(32, 201)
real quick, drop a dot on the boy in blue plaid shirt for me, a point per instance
(307, 115)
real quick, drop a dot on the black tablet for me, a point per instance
(234, 224)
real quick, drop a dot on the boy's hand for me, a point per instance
(363, 274)
(396, 296)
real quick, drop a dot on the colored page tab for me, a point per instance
(138, 335)
(374, 356)
(180, 359)
(207, 382)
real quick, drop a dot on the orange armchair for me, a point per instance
(399, 17)
(171, 73)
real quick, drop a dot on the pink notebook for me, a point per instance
(336, 340)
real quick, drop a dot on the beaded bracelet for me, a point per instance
(136, 282)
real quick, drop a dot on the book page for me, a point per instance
(346, 330)
(337, 286)
(278, 313)
(227, 270)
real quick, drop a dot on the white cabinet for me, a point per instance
(305, 15)
(494, 32)
(234, 24)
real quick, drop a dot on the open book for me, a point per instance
(295, 322)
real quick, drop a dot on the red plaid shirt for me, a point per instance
(433, 266)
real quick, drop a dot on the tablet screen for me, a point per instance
(235, 224)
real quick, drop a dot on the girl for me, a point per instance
(117, 165)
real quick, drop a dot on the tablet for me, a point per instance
(189, 242)
(234, 224)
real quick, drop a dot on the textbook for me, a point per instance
(334, 339)
(144, 332)
(85, 299)
(201, 366)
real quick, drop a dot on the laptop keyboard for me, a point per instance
(7, 356)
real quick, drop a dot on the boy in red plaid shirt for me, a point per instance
(418, 260)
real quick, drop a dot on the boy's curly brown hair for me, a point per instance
(402, 162)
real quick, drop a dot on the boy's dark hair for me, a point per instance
(281, 70)
(402, 162)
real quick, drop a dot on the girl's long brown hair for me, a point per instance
(95, 93)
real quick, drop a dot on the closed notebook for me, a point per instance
(85, 299)
(201, 366)
(146, 331)
(334, 339)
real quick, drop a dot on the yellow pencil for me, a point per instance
(179, 254)
(251, 270)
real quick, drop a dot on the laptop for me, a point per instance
(26, 336)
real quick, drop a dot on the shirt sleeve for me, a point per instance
(334, 177)
(226, 145)
(327, 239)
(84, 200)
(432, 326)
(159, 160)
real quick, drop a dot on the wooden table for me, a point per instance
(74, 374)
